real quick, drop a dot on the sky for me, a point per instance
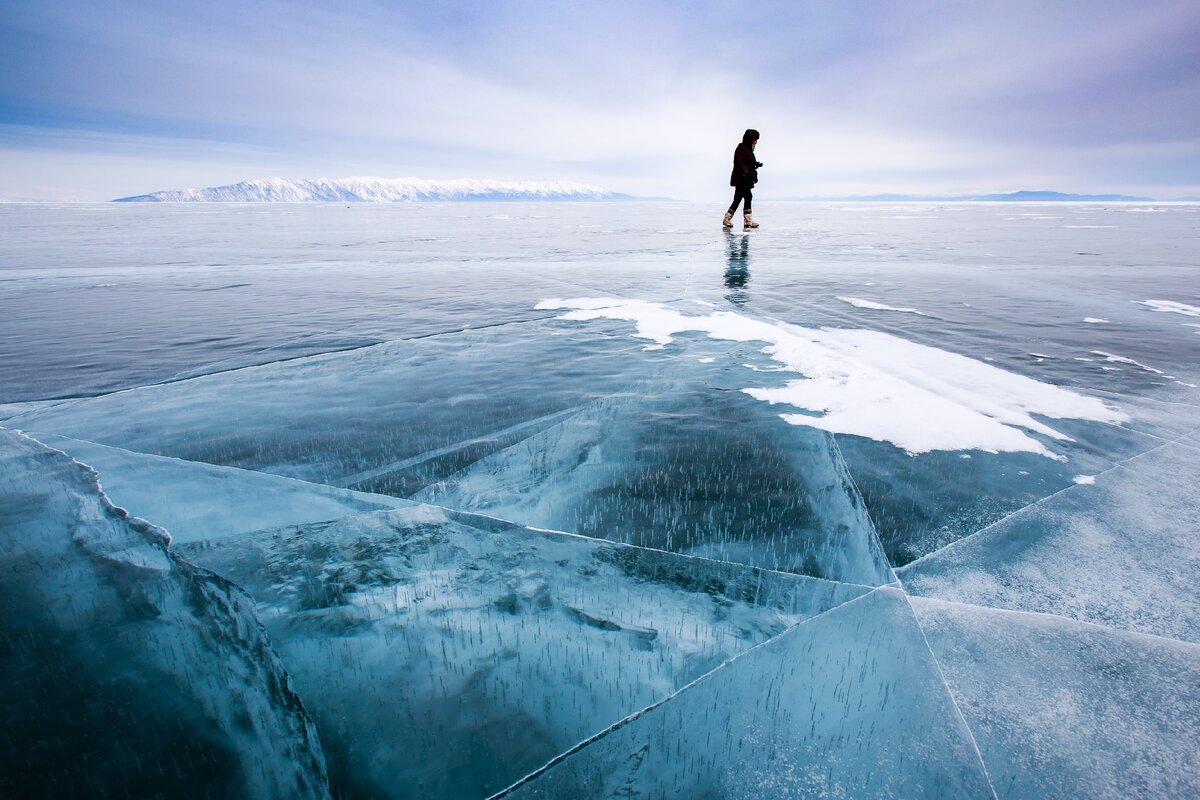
(102, 100)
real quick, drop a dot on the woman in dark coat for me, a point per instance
(743, 178)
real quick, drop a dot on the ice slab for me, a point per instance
(678, 460)
(198, 502)
(922, 503)
(704, 473)
(445, 655)
(126, 671)
(1122, 551)
(1062, 709)
(387, 419)
(847, 704)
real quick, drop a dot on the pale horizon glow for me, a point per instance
(851, 98)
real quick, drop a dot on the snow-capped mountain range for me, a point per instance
(379, 190)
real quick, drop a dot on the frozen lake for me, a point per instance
(878, 500)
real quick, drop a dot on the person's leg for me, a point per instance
(749, 220)
(737, 198)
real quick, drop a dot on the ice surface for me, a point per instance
(1173, 306)
(873, 384)
(848, 704)
(402, 359)
(198, 502)
(1062, 709)
(1122, 550)
(919, 504)
(445, 655)
(390, 418)
(681, 461)
(874, 306)
(126, 671)
(689, 473)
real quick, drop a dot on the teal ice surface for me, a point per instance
(846, 704)
(702, 473)
(537, 423)
(444, 654)
(1063, 709)
(1122, 551)
(298, 386)
(199, 502)
(925, 502)
(127, 669)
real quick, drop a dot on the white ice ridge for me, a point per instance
(1172, 306)
(1123, 360)
(873, 384)
(859, 303)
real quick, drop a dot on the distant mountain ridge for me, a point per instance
(379, 190)
(1022, 196)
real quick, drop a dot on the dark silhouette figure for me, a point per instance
(743, 178)
(737, 268)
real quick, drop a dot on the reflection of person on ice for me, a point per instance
(745, 175)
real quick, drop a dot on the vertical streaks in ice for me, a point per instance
(846, 704)
(130, 672)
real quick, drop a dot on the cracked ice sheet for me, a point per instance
(445, 655)
(921, 503)
(127, 671)
(1063, 709)
(199, 502)
(396, 416)
(847, 704)
(677, 458)
(1122, 551)
(685, 468)
(872, 384)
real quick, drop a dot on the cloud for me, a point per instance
(640, 97)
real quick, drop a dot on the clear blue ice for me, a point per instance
(596, 500)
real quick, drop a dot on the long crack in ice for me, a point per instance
(873, 384)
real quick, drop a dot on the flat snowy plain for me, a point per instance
(598, 500)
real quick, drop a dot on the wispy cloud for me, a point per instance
(650, 98)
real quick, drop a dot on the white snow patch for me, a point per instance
(859, 303)
(1124, 360)
(1095, 320)
(873, 384)
(1172, 306)
(1086, 480)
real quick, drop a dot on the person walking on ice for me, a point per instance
(743, 178)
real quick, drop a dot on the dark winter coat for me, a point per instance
(745, 167)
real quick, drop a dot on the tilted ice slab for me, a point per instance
(1122, 551)
(847, 704)
(200, 502)
(385, 419)
(128, 672)
(873, 384)
(1062, 709)
(693, 472)
(922, 503)
(445, 655)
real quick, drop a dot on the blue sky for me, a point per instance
(99, 100)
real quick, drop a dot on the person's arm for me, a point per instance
(743, 160)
